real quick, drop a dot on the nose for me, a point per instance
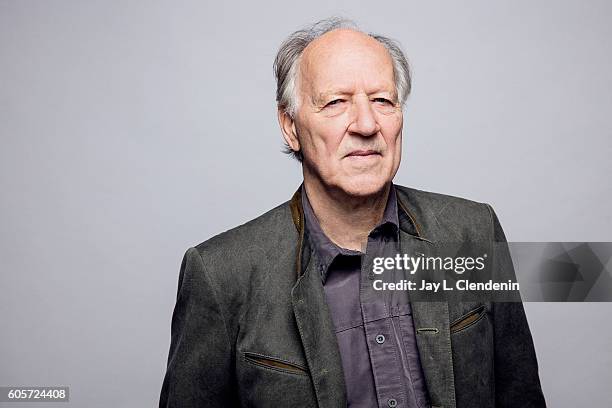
(363, 119)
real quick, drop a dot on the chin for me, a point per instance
(363, 185)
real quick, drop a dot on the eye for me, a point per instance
(383, 100)
(334, 102)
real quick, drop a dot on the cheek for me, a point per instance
(327, 137)
(392, 129)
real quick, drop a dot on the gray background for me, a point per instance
(133, 130)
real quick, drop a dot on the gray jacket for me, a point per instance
(251, 326)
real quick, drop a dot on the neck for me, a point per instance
(346, 220)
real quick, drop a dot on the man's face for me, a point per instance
(349, 120)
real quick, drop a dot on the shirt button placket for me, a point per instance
(384, 363)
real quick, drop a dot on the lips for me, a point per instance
(361, 153)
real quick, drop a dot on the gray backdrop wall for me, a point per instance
(131, 131)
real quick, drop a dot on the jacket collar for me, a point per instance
(407, 223)
(326, 250)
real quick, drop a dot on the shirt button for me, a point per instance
(380, 339)
(392, 402)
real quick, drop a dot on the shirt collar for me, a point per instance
(325, 249)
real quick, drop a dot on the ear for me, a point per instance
(287, 125)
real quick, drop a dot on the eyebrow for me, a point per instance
(322, 96)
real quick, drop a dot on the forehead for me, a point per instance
(343, 60)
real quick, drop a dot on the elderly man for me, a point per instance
(280, 312)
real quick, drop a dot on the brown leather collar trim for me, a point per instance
(297, 213)
(411, 217)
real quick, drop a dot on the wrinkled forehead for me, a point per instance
(344, 60)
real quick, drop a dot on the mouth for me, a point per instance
(363, 153)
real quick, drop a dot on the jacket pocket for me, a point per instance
(468, 319)
(274, 363)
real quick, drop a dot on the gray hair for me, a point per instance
(287, 62)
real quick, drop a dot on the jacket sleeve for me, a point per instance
(199, 366)
(517, 383)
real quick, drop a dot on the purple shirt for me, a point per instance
(375, 331)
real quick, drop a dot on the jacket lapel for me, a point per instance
(314, 322)
(431, 319)
(319, 339)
